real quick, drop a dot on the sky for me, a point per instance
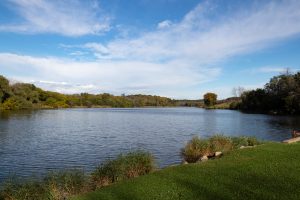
(173, 48)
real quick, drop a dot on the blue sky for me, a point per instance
(174, 48)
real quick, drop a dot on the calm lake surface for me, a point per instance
(33, 142)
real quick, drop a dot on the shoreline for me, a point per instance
(259, 154)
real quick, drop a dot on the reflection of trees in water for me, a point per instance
(285, 122)
(4, 115)
(18, 114)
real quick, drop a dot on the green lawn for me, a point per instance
(270, 171)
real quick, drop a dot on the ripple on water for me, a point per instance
(33, 142)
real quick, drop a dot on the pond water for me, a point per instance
(34, 142)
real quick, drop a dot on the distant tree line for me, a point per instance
(27, 96)
(280, 96)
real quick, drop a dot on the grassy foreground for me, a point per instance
(270, 171)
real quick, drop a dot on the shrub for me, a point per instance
(15, 103)
(195, 149)
(123, 167)
(239, 141)
(220, 143)
(235, 105)
(253, 141)
(31, 190)
(63, 184)
(56, 186)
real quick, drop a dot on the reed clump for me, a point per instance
(197, 147)
(61, 185)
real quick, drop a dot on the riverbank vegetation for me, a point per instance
(27, 96)
(62, 185)
(230, 103)
(198, 148)
(269, 171)
(280, 96)
(19, 96)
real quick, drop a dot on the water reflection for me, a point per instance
(39, 140)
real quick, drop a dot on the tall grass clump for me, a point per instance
(237, 142)
(13, 189)
(55, 186)
(63, 184)
(123, 167)
(244, 141)
(252, 141)
(220, 143)
(195, 149)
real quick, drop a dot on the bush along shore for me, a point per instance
(65, 184)
(197, 150)
(62, 185)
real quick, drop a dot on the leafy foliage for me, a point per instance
(210, 99)
(5, 90)
(281, 95)
(26, 96)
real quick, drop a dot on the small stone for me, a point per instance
(204, 158)
(246, 147)
(184, 162)
(218, 153)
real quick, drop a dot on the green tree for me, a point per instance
(5, 90)
(210, 99)
(27, 96)
(27, 91)
(280, 95)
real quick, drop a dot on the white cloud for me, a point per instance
(65, 87)
(70, 17)
(78, 53)
(198, 39)
(65, 75)
(171, 60)
(164, 24)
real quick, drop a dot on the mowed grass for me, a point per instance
(269, 171)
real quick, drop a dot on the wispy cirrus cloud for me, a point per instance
(203, 39)
(69, 17)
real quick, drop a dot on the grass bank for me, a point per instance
(61, 185)
(269, 171)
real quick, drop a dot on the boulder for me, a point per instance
(245, 147)
(218, 154)
(297, 139)
(203, 158)
(184, 162)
